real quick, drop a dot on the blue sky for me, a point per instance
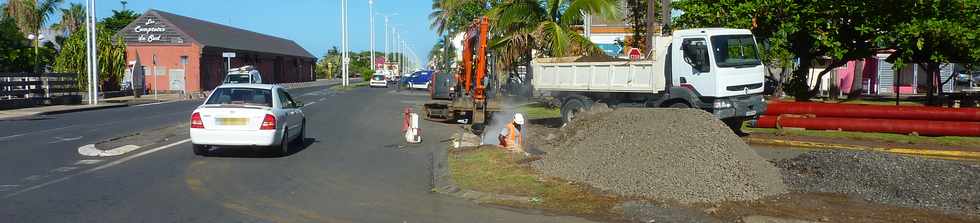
(314, 24)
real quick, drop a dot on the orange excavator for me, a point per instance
(469, 100)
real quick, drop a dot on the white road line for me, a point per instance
(22, 134)
(8, 187)
(311, 103)
(107, 165)
(156, 103)
(64, 169)
(87, 162)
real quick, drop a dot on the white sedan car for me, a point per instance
(378, 80)
(248, 115)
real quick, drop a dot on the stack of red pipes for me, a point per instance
(928, 121)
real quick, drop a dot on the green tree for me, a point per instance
(637, 18)
(72, 19)
(16, 54)
(806, 29)
(111, 53)
(31, 16)
(119, 20)
(931, 33)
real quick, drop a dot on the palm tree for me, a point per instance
(546, 26)
(31, 15)
(72, 19)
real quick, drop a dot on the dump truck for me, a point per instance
(714, 69)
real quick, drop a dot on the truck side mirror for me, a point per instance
(696, 55)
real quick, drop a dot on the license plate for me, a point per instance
(750, 113)
(232, 121)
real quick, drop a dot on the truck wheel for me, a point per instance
(573, 107)
(736, 125)
(679, 105)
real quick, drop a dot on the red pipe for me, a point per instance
(874, 111)
(922, 127)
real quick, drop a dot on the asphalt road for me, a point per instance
(352, 168)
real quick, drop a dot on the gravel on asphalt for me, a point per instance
(684, 155)
(887, 178)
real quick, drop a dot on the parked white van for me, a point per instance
(243, 75)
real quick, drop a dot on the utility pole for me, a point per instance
(345, 54)
(92, 54)
(371, 14)
(386, 43)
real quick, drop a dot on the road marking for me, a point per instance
(322, 99)
(64, 139)
(34, 177)
(23, 134)
(87, 162)
(64, 169)
(311, 103)
(11, 136)
(8, 187)
(107, 165)
(90, 150)
(156, 103)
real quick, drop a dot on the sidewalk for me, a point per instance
(131, 100)
(54, 109)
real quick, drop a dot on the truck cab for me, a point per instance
(721, 68)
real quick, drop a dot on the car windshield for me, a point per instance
(237, 79)
(241, 96)
(735, 51)
(378, 77)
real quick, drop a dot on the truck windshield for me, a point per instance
(735, 51)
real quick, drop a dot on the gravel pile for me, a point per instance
(886, 178)
(685, 155)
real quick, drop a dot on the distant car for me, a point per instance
(243, 75)
(420, 80)
(248, 115)
(378, 80)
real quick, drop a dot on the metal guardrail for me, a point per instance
(30, 89)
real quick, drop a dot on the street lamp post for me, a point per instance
(344, 40)
(92, 54)
(371, 14)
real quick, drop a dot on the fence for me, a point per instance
(18, 90)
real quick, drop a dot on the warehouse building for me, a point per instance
(187, 55)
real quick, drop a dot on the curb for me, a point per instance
(944, 154)
(79, 109)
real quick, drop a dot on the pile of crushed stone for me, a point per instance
(684, 155)
(887, 178)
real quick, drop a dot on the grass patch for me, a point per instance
(540, 111)
(886, 137)
(352, 86)
(496, 171)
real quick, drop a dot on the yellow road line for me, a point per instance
(944, 154)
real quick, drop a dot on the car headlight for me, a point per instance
(719, 104)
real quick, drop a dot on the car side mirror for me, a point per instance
(300, 104)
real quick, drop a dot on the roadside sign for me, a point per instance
(228, 54)
(635, 54)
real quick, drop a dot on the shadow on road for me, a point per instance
(261, 152)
